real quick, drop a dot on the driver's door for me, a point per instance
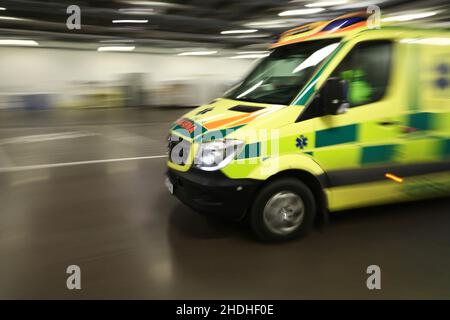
(366, 135)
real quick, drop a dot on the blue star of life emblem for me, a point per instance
(301, 142)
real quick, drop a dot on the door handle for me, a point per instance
(388, 123)
(404, 129)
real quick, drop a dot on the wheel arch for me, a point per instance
(313, 182)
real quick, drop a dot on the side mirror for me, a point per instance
(333, 96)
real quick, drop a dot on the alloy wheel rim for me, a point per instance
(284, 212)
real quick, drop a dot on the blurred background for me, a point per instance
(155, 53)
(84, 115)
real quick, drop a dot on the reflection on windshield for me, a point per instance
(245, 93)
(316, 57)
(278, 78)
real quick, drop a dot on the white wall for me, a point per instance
(56, 70)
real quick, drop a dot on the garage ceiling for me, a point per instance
(180, 24)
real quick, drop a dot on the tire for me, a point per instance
(283, 210)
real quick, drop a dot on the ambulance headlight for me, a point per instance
(214, 155)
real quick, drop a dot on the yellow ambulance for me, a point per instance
(339, 115)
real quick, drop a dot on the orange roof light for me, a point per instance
(341, 24)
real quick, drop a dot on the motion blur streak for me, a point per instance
(84, 121)
(77, 163)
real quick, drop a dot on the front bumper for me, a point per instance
(213, 193)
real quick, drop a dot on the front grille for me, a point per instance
(178, 149)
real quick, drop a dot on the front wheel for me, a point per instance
(284, 209)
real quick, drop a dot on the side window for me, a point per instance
(366, 68)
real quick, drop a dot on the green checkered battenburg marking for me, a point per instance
(447, 148)
(377, 154)
(252, 150)
(421, 120)
(336, 135)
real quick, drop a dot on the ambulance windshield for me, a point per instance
(278, 78)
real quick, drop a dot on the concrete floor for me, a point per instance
(132, 239)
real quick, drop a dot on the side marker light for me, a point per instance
(393, 177)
